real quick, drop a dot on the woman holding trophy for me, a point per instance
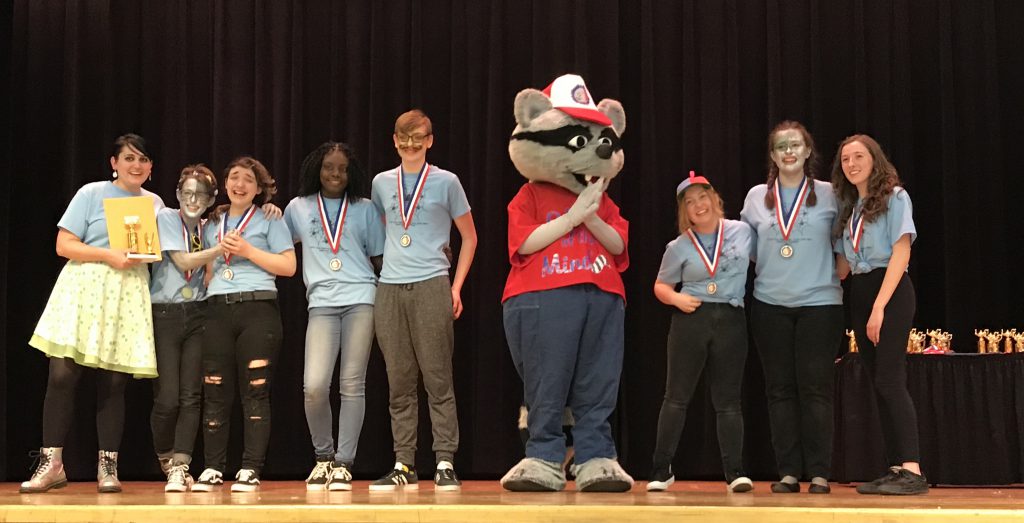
(96, 317)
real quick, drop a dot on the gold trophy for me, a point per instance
(1019, 341)
(132, 224)
(149, 243)
(916, 341)
(981, 339)
(1008, 337)
(853, 341)
(993, 341)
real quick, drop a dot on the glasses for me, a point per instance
(782, 147)
(411, 139)
(193, 196)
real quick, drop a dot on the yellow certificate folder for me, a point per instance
(131, 225)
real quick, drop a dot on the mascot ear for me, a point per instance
(614, 111)
(530, 103)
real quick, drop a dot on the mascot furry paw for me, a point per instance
(564, 301)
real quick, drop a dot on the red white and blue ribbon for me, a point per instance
(710, 262)
(856, 229)
(243, 222)
(786, 224)
(332, 232)
(409, 208)
(188, 240)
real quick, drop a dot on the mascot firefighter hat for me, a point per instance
(564, 301)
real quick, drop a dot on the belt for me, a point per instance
(239, 297)
(183, 306)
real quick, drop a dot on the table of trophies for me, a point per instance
(970, 410)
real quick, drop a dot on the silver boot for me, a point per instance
(49, 474)
(106, 472)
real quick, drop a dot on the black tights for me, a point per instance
(59, 405)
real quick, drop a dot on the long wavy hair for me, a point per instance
(264, 182)
(358, 180)
(881, 182)
(810, 165)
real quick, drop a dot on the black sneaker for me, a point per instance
(208, 481)
(445, 479)
(320, 476)
(341, 478)
(661, 478)
(400, 477)
(246, 480)
(871, 487)
(906, 483)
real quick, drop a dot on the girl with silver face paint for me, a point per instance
(179, 319)
(796, 316)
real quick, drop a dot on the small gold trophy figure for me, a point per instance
(993, 341)
(1019, 340)
(132, 224)
(1008, 340)
(853, 341)
(149, 243)
(981, 339)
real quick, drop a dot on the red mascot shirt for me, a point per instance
(573, 259)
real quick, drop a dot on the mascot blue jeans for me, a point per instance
(567, 345)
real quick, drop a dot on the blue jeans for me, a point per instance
(567, 346)
(332, 332)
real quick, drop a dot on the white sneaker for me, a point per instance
(320, 476)
(741, 484)
(178, 478)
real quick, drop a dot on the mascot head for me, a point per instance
(561, 137)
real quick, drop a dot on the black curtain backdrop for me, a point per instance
(937, 82)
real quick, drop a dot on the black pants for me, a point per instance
(240, 344)
(798, 347)
(177, 392)
(59, 404)
(886, 362)
(712, 338)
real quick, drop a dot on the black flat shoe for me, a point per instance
(819, 489)
(780, 487)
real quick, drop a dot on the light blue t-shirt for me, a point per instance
(442, 200)
(808, 277)
(682, 263)
(362, 237)
(880, 235)
(84, 216)
(167, 283)
(267, 235)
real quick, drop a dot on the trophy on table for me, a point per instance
(853, 341)
(915, 341)
(981, 334)
(993, 341)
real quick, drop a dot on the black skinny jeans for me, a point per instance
(712, 338)
(59, 404)
(239, 347)
(798, 347)
(177, 392)
(886, 363)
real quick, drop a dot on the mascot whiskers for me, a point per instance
(564, 301)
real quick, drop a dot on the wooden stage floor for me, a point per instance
(280, 501)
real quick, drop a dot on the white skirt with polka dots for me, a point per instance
(101, 317)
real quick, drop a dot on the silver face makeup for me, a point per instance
(194, 198)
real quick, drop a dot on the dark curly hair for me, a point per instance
(881, 182)
(358, 180)
(810, 166)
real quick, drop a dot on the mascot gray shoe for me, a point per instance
(602, 475)
(535, 475)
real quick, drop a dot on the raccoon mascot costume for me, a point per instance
(564, 301)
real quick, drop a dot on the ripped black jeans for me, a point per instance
(239, 347)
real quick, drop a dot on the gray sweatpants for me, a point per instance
(414, 329)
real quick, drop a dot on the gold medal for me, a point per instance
(786, 251)
(405, 240)
(186, 292)
(228, 274)
(712, 288)
(335, 264)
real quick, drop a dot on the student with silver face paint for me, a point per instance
(873, 237)
(796, 315)
(179, 318)
(97, 317)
